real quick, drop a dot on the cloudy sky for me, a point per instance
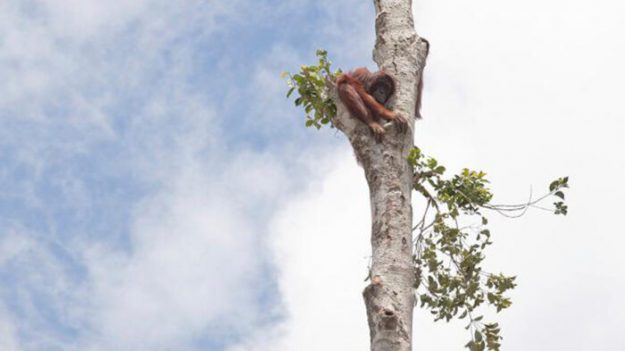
(158, 192)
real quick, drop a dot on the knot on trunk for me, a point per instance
(388, 320)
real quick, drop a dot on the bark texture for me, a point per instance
(389, 298)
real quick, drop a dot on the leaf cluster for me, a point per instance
(556, 188)
(310, 83)
(450, 244)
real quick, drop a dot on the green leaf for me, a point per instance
(553, 185)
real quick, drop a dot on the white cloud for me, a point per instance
(83, 19)
(192, 268)
(319, 243)
(8, 336)
(529, 92)
(12, 244)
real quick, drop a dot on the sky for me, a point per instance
(159, 192)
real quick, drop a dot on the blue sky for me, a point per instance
(158, 192)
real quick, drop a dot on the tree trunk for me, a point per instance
(389, 298)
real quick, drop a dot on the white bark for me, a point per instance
(389, 298)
